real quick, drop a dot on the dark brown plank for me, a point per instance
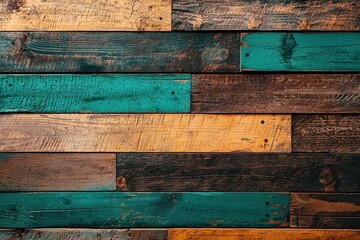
(326, 133)
(231, 172)
(325, 210)
(276, 93)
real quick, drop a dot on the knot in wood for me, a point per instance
(120, 183)
(328, 177)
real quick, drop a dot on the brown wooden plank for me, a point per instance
(317, 210)
(276, 93)
(324, 15)
(57, 172)
(326, 133)
(238, 172)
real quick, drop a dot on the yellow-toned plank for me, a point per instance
(144, 133)
(85, 15)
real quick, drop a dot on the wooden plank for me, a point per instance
(300, 51)
(85, 15)
(119, 52)
(276, 93)
(238, 172)
(95, 93)
(256, 234)
(57, 172)
(325, 210)
(144, 133)
(126, 210)
(268, 15)
(326, 133)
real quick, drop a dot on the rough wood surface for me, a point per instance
(276, 93)
(119, 52)
(300, 51)
(125, 210)
(111, 93)
(326, 133)
(57, 172)
(85, 15)
(321, 15)
(144, 133)
(242, 172)
(325, 210)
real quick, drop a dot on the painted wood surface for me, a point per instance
(300, 51)
(95, 93)
(110, 210)
(257, 234)
(275, 93)
(119, 52)
(326, 133)
(321, 15)
(144, 133)
(57, 172)
(325, 210)
(85, 15)
(242, 172)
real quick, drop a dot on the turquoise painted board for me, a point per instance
(300, 51)
(125, 210)
(69, 93)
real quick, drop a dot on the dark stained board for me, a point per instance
(326, 133)
(321, 15)
(119, 52)
(275, 93)
(325, 210)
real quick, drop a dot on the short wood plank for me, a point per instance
(268, 15)
(310, 210)
(85, 15)
(276, 93)
(62, 52)
(126, 210)
(57, 172)
(326, 133)
(300, 51)
(144, 133)
(95, 93)
(256, 234)
(238, 172)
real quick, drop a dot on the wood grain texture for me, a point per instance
(257, 234)
(125, 210)
(238, 172)
(144, 133)
(326, 133)
(57, 172)
(95, 93)
(85, 15)
(119, 52)
(325, 210)
(275, 93)
(300, 51)
(268, 15)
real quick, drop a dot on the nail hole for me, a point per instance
(267, 215)
(10, 85)
(172, 92)
(267, 203)
(160, 18)
(247, 55)
(262, 121)
(266, 140)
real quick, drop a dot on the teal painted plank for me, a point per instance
(95, 93)
(119, 209)
(300, 51)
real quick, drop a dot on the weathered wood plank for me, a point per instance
(321, 15)
(119, 52)
(276, 93)
(238, 172)
(95, 93)
(326, 133)
(256, 234)
(110, 210)
(57, 172)
(144, 133)
(325, 210)
(300, 51)
(85, 15)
